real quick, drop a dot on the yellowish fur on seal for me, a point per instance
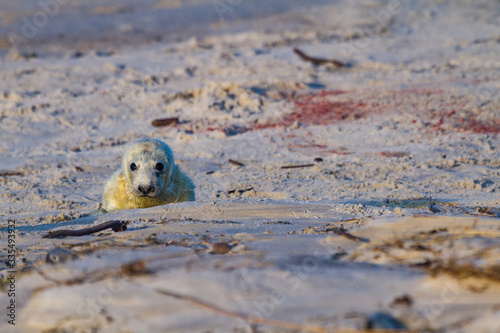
(148, 177)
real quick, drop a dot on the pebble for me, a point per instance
(221, 248)
(384, 321)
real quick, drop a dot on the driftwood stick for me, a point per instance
(165, 122)
(318, 61)
(115, 225)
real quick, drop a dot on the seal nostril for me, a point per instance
(145, 189)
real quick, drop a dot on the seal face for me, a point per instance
(148, 177)
(147, 166)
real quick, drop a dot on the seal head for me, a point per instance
(148, 177)
(147, 166)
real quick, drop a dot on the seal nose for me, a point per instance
(145, 189)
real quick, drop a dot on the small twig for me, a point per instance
(393, 153)
(352, 220)
(115, 225)
(240, 191)
(165, 122)
(244, 316)
(233, 162)
(297, 166)
(342, 232)
(318, 61)
(10, 173)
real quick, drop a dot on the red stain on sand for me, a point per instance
(443, 120)
(475, 126)
(338, 152)
(482, 128)
(318, 109)
(327, 107)
(450, 121)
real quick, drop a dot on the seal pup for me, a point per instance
(148, 177)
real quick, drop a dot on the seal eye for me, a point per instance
(159, 166)
(133, 167)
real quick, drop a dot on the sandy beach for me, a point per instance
(346, 158)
